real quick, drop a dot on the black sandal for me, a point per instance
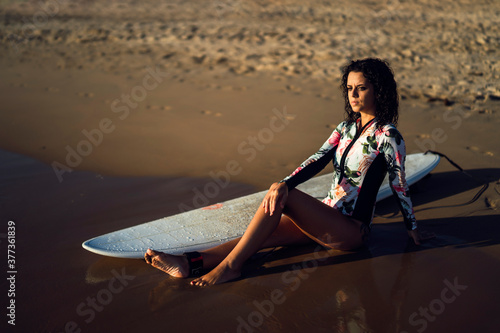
(195, 261)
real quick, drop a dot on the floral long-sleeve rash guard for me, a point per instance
(361, 158)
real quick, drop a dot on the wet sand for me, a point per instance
(167, 95)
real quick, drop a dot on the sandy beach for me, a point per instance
(115, 113)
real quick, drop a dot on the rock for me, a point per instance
(407, 53)
(481, 40)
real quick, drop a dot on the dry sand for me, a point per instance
(115, 112)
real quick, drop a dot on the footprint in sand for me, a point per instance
(159, 107)
(287, 117)
(85, 94)
(485, 111)
(479, 151)
(230, 88)
(323, 95)
(19, 85)
(423, 136)
(293, 88)
(52, 89)
(210, 113)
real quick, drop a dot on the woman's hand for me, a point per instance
(418, 236)
(277, 195)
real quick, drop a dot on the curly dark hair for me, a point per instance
(381, 76)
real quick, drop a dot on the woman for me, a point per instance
(363, 148)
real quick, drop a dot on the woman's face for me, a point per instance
(361, 94)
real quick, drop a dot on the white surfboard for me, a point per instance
(205, 227)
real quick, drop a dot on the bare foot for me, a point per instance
(176, 266)
(219, 274)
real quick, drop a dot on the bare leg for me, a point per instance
(287, 233)
(259, 229)
(322, 223)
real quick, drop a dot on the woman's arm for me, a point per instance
(316, 162)
(393, 147)
(278, 192)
